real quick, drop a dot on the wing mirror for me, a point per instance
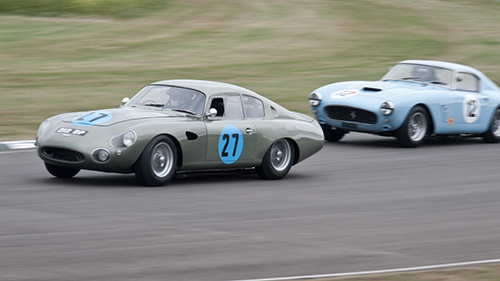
(125, 100)
(212, 112)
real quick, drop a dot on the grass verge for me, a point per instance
(281, 49)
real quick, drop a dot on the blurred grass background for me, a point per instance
(74, 55)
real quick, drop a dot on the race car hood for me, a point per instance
(377, 90)
(108, 117)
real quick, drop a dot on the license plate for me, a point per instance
(349, 125)
(71, 131)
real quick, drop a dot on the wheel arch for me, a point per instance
(431, 125)
(177, 147)
(296, 150)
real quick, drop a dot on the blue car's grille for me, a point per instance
(350, 114)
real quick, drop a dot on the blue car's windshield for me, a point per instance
(420, 73)
(169, 97)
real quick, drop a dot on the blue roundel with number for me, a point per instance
(92, 118)
(230, 144)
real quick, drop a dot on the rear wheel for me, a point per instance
(492, 135)
(157, 163)
(332, 134)
(414, 128)
(61, 172)
(277, 161)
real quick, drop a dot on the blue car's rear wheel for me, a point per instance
(157, 163)
(414, 128)
(277, 161)
(492, 135)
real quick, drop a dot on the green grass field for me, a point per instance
(89, 54)
(282, 49)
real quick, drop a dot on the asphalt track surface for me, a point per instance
(361, 204)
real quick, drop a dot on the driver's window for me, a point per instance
(228, 106)
(467, 82)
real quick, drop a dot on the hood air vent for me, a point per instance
(371, 89)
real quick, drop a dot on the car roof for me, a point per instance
(207, 87)
(442, 64)
(487, 83)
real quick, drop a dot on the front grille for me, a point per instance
(62, 154)
(350, 114)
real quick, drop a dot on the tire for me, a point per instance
(492, 135)
(157, 164)
(332, 134)
(277, 161)
(414, 129)
(61, 172)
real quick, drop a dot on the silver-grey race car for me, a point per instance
(180, 126)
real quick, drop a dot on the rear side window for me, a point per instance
(467, 82)
(254, 108)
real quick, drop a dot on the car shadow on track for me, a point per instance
(391, 142)
(89, 179)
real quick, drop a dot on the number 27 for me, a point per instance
(226, 138)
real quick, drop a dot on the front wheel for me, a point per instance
(332, 134)
(492, 135)
(277, 161)
(414, 128)
(61, 172)
(157, 163)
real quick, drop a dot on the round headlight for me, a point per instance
(124, 139)
(315, 99)
(386, 108)
(129, 138)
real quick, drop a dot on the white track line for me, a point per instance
(426, 267)
(19, 144)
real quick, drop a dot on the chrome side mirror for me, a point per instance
(212, 112)
(125, 100)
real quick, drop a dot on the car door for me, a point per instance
(231, 137)
(472, 104)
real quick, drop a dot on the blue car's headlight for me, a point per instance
(125, 139)
(315, 99)
(387, 108)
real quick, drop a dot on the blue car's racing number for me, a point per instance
(230, 144)
(92, 118)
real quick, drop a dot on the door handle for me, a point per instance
(249, 131)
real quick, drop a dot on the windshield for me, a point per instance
(169, 98)
(420, 73)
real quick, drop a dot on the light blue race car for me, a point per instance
(415, 99)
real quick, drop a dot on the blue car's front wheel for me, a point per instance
(414, 129)
(332, 134)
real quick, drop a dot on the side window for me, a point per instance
(228, 106)
(254, 108)
(467, 82)
(232, 106)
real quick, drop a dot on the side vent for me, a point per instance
(191, 136)
(274, 111)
